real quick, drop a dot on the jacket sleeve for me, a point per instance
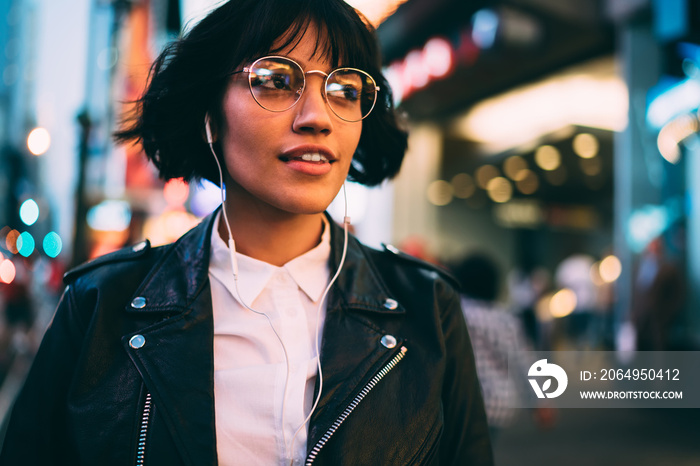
(465, 439)
(36, 434)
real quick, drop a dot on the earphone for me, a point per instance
(234, 268)
(231, 242)
(207, 129)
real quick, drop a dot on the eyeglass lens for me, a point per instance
(277, 84)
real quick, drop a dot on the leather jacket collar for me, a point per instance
(178, 370)
(178, 279)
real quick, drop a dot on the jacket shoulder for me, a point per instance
(394, 255)
(134, 253)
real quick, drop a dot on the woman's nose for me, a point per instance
(312, 111)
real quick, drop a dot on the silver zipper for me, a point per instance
(145, 416)
(351, 407)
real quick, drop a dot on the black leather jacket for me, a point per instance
(399, 380)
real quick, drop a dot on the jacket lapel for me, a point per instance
(351, 349)
(176, 360)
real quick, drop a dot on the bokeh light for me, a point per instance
(463, 185)
(586, 145)
(529, 183)
(595, 275)
(440, 193)
(168, 227)
(206, 197)
(673, 133)
(515, 168)
(548, 157)
(542, 307)
(107, 58)
(610, 269)
(484, 174)
(29, 212)
(176, 192)
(38, 141)
(499, 189)
(484, 28)
(437, 54)
(562, 303)
(52, 244)
(110, 215)
(591, 167)
(25, 244)
(11, 241)
(7, 271)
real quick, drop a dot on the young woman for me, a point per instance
(207, 351)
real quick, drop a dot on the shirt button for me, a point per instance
(388, 341)
(137, 341)
(139, 302)
(391, 304)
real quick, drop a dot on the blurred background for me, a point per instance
(555, 139)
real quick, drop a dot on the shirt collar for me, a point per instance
(309, 270)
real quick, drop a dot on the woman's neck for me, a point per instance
(270, 235)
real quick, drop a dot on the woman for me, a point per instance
(205, 351)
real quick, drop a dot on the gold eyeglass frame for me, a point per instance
(300, 92)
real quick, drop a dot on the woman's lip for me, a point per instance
(308, 168)
(298, 151)
(293, 158)
(308, 157)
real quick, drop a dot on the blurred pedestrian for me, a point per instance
(499, 342)
(658, 298)
(221, 348)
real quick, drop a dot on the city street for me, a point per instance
(604, 437)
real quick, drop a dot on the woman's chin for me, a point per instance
(305, 208)
(305, 205)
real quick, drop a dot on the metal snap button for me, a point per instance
(388, 341)
(392, 248)
(138, 302)
(391, 304)
(137, 341)
(139, 247)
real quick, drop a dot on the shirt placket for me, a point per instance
(293, 330)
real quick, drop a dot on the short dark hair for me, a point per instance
(189, 79)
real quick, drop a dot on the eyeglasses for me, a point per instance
(277, 84)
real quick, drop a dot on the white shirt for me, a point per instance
(249, 362)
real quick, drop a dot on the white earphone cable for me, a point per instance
(234, 267)
(346, 222)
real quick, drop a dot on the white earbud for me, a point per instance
(231, 242)
(207, 129)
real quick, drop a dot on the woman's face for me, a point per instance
(263, 150)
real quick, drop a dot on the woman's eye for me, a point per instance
(351, 93)
(272, 82)
(345, 92)
(279, 82)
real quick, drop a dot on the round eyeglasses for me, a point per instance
(277, 84)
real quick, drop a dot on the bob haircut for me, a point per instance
(189, 79)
